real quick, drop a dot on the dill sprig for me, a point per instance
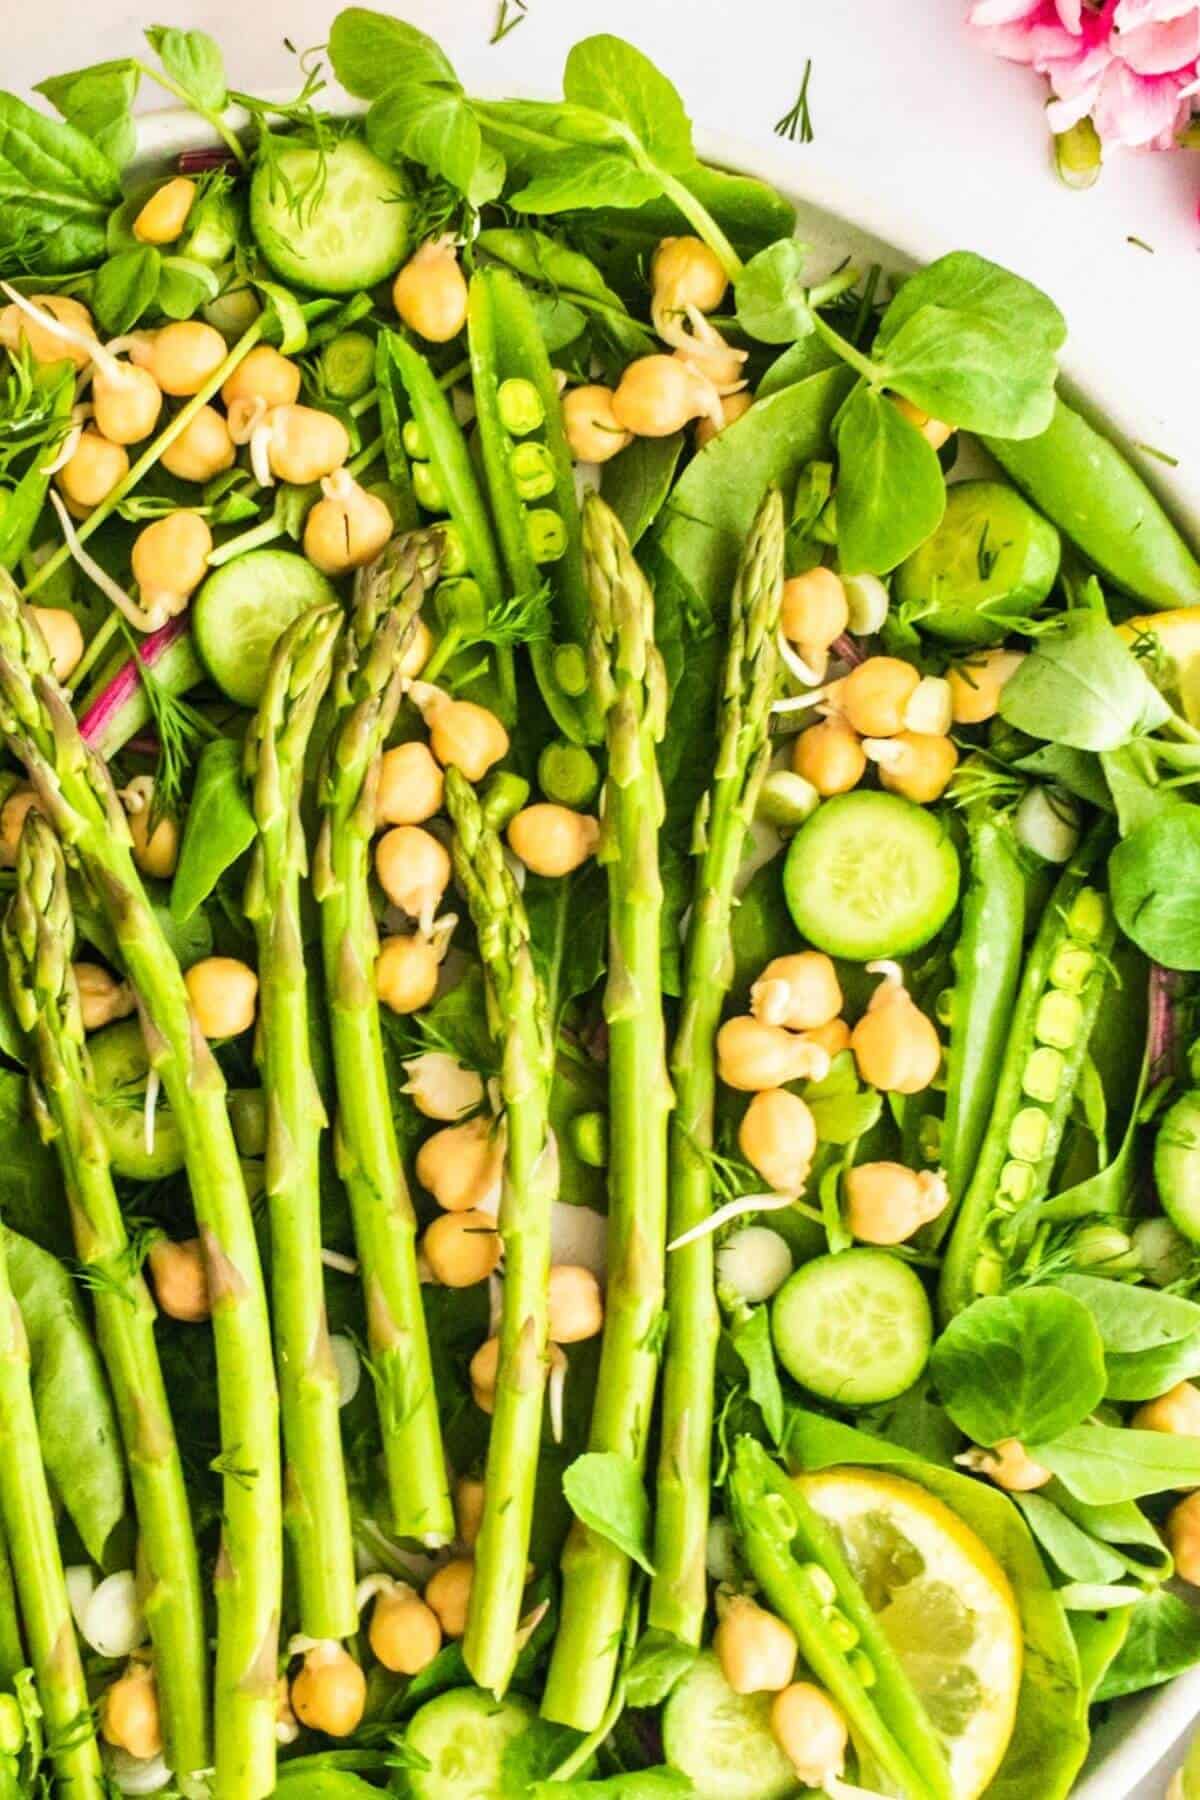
(796, 124)
(509, 15)
(181, 732)
(29, 416)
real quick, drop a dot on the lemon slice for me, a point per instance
(945, 1604)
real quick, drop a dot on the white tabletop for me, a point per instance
(901, 99)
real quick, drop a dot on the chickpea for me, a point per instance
(814, 612)
(934, 431)
(64, 639)
(873, 695)
(931, 709)
(895, 1045)
(413, 869)
(552, 840)
(330, 1692)
(752, 1056)
(1183, 1538)
(347, 528)
(461, 1248)
(170, 558)
(685, 272)
(405, 1634)
(264, 375)
(448, 1592)
(832, 1038)
(590, 424)
(224, 995)
(1009, 1465)
(778, 1137)
(441, 1087)
(12, 824)
(576, 1304)
(830, 756)
(165, 213)
(886, 1203)
(462, 1165)
(917, 764)
(305, 445)
(95, 468)
(181, 356)
(485, 1372)
(155, 841)
(468, 1508)
(418, 648)
(203, 448)
(102, 998)
(406, 973)
(45, 346)
(800, 991)
(126, 411)
(811, 1732)
(756, 1651)
(658, 395)
(733, 407)
(411, 785)
(460, 733)
(129, 1715)
(1177, 1411)
(430, 293)
(977, 682)
(180, 1279)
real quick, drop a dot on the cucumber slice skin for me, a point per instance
(1177, 1164)
(859, 928)
(463, 1735)
(742, 1761)
(242, 610)
(356, 234)
(860, 1281)
(119, 1064)
(986, 526)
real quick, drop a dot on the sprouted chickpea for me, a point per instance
(430, 293)
(1177, 1412)
(181, 356)
(830, 756)
(590, 425)
(757, 1652)
(886, 1202)
(685, 272)
(814, 613)
(659, 395)
(462, 1166)
(553, 840)
(404, 1634)
(468, 1508)
(20, 326)
(733, 408)
(125, 404)
(129, 1713)
(266, 376)
(441, 1087)
(977, 683)
(800, 991)
(752, 1056)
(413, 869)
(461, 734)
(330, 1691)
(461, 1248)
(407, 971)
(1183, 1538)
(165, 213)
(1008, 1464)
(448, 1592)
(300, 445)
(102, 998)
(811, 1731)
(917, 764)
(873, 697)
(484, 1372)
(170, 560)
(347, 527)
(93, 470)
(895, 1045)
(832, 1038)
(224, 995)
(180, 1279)
(286, 1728)
(576, 1304)
(931, 708)
(155, 841)
(64, 639)
(203, 448)
(778, 1137)
(934, 431)
(12, 823)
(411, 785)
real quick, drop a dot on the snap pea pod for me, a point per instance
(22, 505)
(779, 1533)
(1065, 975)
(391, 424)
(1082, 482)
(506, 345)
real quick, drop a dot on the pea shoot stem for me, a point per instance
(225, 132)
(862, 365)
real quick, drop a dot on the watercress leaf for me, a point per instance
(1133, 1318)
(771, 296)
(1081, 685)
(638, 479)
(193, 60)
(1072, 1551)
(98, 101)
(125, 288)
(613, 79)
(1027, 1365)
(1163, 1640)
(1153, 879)
(606, 1493)
(1101, 1464)
(371, 51)
(972, 371)
(890, 491)
(434, 126)
(658, 1662)
(583, 178)
(971, 284)
(219, 827)
(750, 1336)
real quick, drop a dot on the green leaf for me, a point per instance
(613, 79)
(637, 481)
(1070, 1549)
(584, 178)
(1123, 1526)
(890, 491)
(772, 300)
(971, 371)
(971, 284)
(1133, 1318)
(1076, 770)
(193, 60)
(843, 1118)
(184, 286)
(56, 189)
(125, 287)
(33, 1196)
(1154, 880)
(219, 827)
(98, 101)
(636, 1784)
(434, 126)
(1081, 685)
(658, 1662)
(1144, 1374)
(750, 1336)
(606, 1493)
(1101, 1464)
(1133, 788)
(371, 51)
(1163, 1641)
(1027, 1365)
(809, 356)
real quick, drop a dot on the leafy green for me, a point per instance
(982, 289)
(1146, 1373)
(657, 1663)
(1081, 685)
(1154, 880)
(637, 481)
(219, 827)
(98, 101)
(843, 1109)
(1026, 1365)
(606, 1493)
(584, 177)
(567, 275)
(750, 1336)
(613, 79)
(1163, 1640)
(1133, 1318)
(806, 357)
(1123, 1526)
(1072, 1551)
(1101, 1464)
(33, 1199)
(56, 188)
(125, 287)
(193, 62)
(970, 370)
(371, 51)
(890, 492)
(772, 300)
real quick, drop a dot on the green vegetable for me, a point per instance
(218, 829)
(1152, 880)
(1027, 1365)
(1163, 1640)
(243, 608)
(890, 493)
(722, 1741)
(988, 567)
(22, 506)
(1082, 686)
(1102, 1465)
(334, 219)
(462, 1739)
(568, 774)
(1177, 1164)
(637, 481)
(347, 365)
(854, 1328)
(57, 186)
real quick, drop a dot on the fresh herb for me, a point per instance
(510, 14)
(985, 557)
(1024, 1366)
(796, 124)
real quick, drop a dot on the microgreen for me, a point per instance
(796, 124)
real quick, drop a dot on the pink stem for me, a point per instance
(198, 162)
(146, 743)
(846, 650)
(1160, 1026)
(128, 678)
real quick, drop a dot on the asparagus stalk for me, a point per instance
(39, 941)
(678, 1593)
(316, 1502)
(27, 1511)
(519, 1020)
(629, 683)
(76, 794)
(367, 691)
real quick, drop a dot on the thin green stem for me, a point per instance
(101, 638)
(862, 365)
(699, 218)
(224, 131)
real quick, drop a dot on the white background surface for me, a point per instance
(902, 103)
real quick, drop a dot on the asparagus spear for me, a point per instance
(76, 794)
(678, 1593)
(519, 1020)
(39, 941)
(28, 1515)
(367, 691)
(629, 682)
(316, 1504)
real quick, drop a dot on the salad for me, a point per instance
(599, 1060)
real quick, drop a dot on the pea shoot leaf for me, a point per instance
(1028, 1365)
(1163, 1640)
(436, 126)
(371, 52)
(972, 285)
(193, 61)
(583, 177)
(890, 492)
(967, 368)
(750, 1336)
(1133, 1318)
(606, 1493)
(610, 77)
(1101, 1464)
(771, 294)
(659, 1661)
(98, 101)
(125, 287)
(1081, 685)
(1154, 880)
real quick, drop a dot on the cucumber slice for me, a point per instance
(990, 563)
(1177, 1164)
(332, 220)
(463, 1736)
(243, 609)
(855, 1328)
(723, 1740)
(120, 1067)
(871, 875)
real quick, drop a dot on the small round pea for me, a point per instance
(568, 773)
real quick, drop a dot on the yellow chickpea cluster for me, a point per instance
(883, 712)
(757, 1652)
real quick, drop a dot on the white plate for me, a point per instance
(836, 218)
